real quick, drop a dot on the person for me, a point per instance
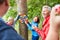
(53, 33)
(6, 31)
(12, 21)
(35, 23)
(46, 24)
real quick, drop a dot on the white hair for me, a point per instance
(48, 7)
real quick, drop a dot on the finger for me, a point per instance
(57, 7)
(52, 15)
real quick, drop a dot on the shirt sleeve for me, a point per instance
(29, 26)
(40, 32)
(17, 18)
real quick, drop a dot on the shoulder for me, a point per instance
(8, 33)
(4, 27)
(35, 24)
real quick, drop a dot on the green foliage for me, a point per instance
(12, 11)
(12, 3)
(34, 8)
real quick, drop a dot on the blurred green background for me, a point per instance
(34, 9)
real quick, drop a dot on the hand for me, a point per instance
(26, 21)
(21, 21)
(54, 19)
(34, 27)
(54, 25)
(19, 14)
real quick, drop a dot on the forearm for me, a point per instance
(29, 26)
(52, 34)
(17, 18)
(40, 32)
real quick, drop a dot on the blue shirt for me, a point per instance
(7, 32)
(34, 33)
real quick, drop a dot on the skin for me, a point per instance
(11, 21)
(45, 13)
(54, 26)
(21, 14)
(35, 19)
(4, 7)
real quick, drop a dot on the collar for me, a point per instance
(34, 22)
(47, 17)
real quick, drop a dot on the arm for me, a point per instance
(40, 32)
(17, 18)
(29, 26)
(53, 33)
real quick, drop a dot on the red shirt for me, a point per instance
(45, 28)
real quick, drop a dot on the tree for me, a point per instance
(22, 8)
